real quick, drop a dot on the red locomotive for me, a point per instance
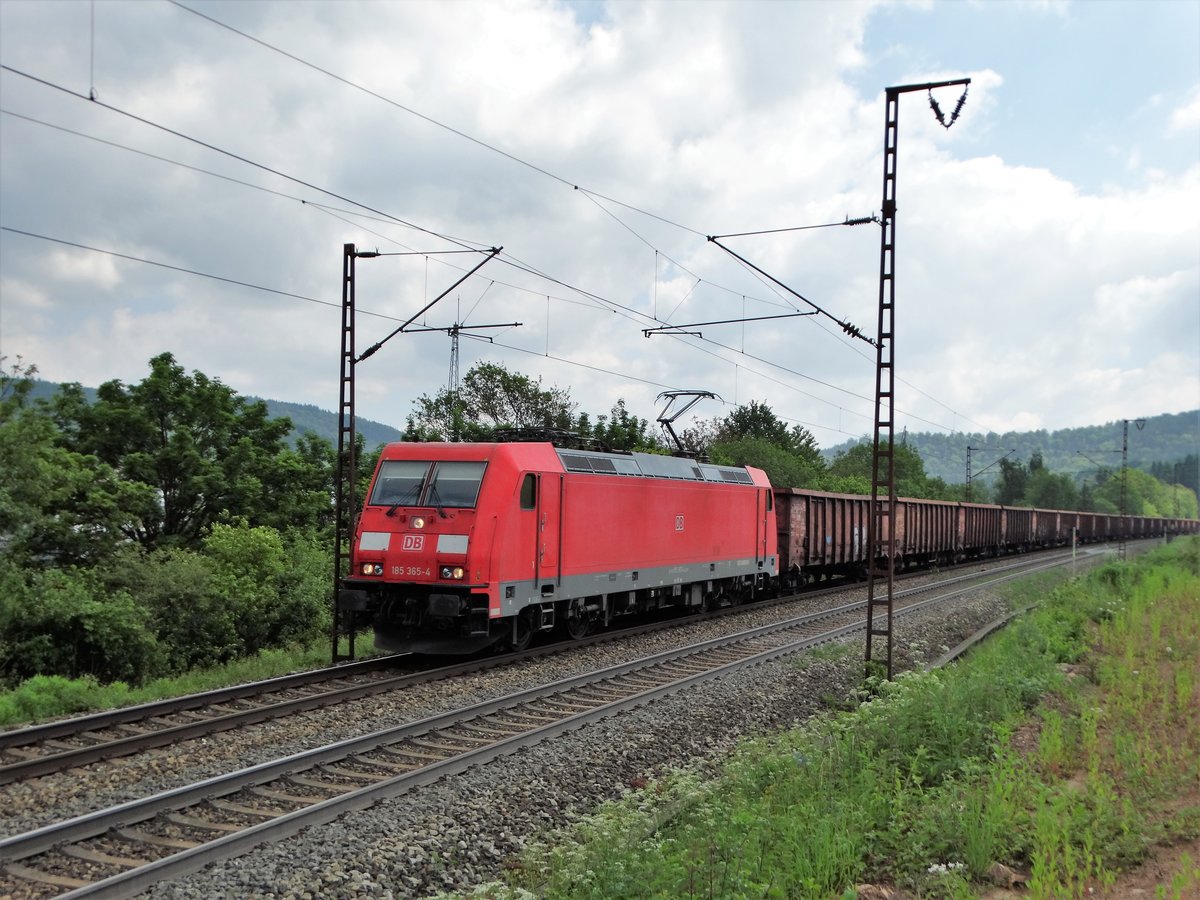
(462, 546)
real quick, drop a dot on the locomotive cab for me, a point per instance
(418, 565)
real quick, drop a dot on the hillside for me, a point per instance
(1164, 439)
(305, 417)
(1168, 438)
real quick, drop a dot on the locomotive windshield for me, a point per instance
(404, 482)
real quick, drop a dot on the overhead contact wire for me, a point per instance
(426, 118)
(229, 153)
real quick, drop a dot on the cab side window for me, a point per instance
(529, 491)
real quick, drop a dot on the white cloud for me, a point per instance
(88, 268)
(1185, 118)
(721, 117)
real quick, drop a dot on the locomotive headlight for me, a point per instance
(372, 568)
(417, 522)
(453, 573)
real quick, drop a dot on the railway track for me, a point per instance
(123, 850)
(57, 746)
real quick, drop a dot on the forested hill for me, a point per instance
(308, 418)
(305, 417)
(1169, 439)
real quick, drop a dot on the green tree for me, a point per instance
(757, 420)
(620, 430)
(856, 463)
(61, 622)
(1046, 490)
(195, 625)
(753, 435)
(784, 469)
(206, 452)
(1145, 495)
(273, 589)
(697, 439)
(15, 385)
(59, 507)
(1014, 479)
(489, 397)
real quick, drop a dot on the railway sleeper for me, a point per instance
(419, 757)
(334, 787)
(29, 873)
(355, 774)
(159, 840)
(105, 859)
(256, 812)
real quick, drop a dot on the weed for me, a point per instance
(934, 777)
(44, 697)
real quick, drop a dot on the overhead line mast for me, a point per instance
(346, 465)
(881, 546)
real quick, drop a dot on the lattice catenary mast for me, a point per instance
(881, 546)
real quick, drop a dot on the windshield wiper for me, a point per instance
(411, 494)
(437, 500)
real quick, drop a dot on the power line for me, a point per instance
(258, 287)
(864, 220)
(634, 315)
(427, 118)
(162, 265)
(622, 375)
(164, 159)
(387, 216)
(222, 151)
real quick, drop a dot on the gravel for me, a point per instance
(459, 832)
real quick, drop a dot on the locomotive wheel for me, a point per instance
(576, 620)
(523, 631)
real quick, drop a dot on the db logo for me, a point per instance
(413, 542)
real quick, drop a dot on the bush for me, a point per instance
(194, 623)
(63, 622)
(46, 696)
(304, 591)
(250, 588)
(248, 564)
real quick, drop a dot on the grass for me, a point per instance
(1064, 749)
(49, 696)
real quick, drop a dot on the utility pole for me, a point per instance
(346, 466)
(881, 545)
(452, 382)
(970, 450)
(345, 503)
(1124, 529)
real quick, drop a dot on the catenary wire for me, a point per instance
(334, 305)
(626, 376)
(397, 220)
(386, 218)
(229, 153)
(427, 118)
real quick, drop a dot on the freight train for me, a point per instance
(461, 547)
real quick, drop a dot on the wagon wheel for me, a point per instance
(722, 597)
(576, 620)
(523, 630)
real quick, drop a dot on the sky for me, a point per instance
(216, 157)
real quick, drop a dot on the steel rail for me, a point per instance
(127, 883)
(45, 764)
(32, 734)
